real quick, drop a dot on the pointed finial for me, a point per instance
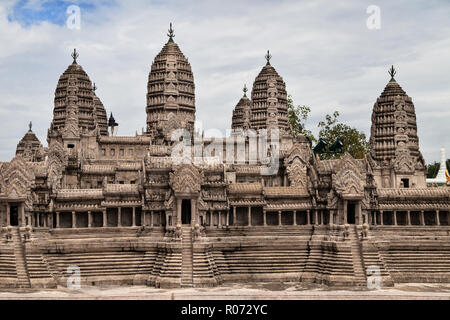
(94, 87)
(171, 34)
(392, 73)
(30, 125)
(268, 57)
(75, 55)
(245, 90)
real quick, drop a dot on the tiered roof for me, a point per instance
(393, 119)
(171, 91)
(264, 96)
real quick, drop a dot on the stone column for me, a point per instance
(193, 212)
(89, 219)
(422, 218)
(438, 222)
(119, 216)
(394, 213)
(308, 218)
(345, 212)
(151, 218)
(220, 219)
(228, 218)
(381, 218)
(265, 217)
(279, 218)
(22, 215)
(8, 215)
(143, 213)
(316, 217)
(234, 216)
(321, 217)
(105, 219)
(408, 217)
(57, 220)
(38, 222)
(74, 219)
(358, 207)
(134, 217)
(249, 216)
(295, 217)
(179, 202)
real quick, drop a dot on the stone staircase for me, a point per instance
(357, 258)
(187, 257)
(23, 279)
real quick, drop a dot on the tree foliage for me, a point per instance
(298, 115)
(354, 140)
(433, 169)
(331, 129)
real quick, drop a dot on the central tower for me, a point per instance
(170, 93)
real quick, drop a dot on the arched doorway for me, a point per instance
(186, 214)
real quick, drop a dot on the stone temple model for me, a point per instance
(119, 208)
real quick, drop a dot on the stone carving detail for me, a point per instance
(403, 161)
(186, 178)
(347, 179)
(16, 180)
(57, 160)
(296, 165)
(332, 200)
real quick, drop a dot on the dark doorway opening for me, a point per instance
(405, 183)
(14, 216)
(351, 213)
(186, 212)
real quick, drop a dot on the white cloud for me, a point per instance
(323, 50)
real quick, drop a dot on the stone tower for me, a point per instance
(30, 147)
(76, 111)
(394, 144)
(171, 93)
(242, 113)
(269, 99)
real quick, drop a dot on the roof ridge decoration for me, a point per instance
(171, 33)
(392, 72)
(75, 56)
(268, 56)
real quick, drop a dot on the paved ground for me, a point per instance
(272, 291)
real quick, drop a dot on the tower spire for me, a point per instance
(75, 55)
(30, 125)
(268, 57)
(392, 72)
(171, 33)
(245, 90)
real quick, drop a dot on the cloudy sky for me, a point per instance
(328, 57)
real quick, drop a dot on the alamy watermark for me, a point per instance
(73, 21)
(374, 20)
(373, 277)
(240, 147)
(74, 279)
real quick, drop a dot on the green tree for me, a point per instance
(354, 140)
(298, 115)
(432, 170)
